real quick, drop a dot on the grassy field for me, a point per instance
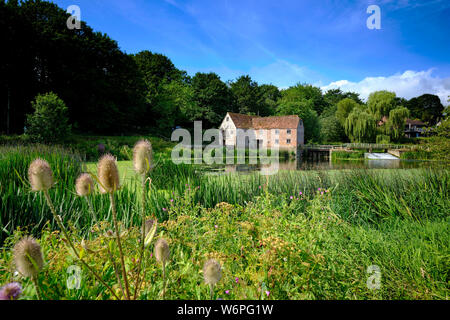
(294, 235)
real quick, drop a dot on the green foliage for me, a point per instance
(383, 139)
(212, 99)
(304, 109)
(49, 122)
(427, 107)
(306, 92)
(331, 129)
(380, 103)
(347, 155)
(396, 122)
(333, 96)
(313, 245)
(360, 126)
(344, 108)
(246, 94)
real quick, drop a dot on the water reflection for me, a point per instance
(321, 164)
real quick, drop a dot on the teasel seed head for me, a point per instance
(28, 257)
(147, 226)
(108, 174)
(162, 251)
(142, 156)
(40, 175)
(11, 291)
(212, 272)
(84, 185)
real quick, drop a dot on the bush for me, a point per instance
(49, 123)
(383, 139)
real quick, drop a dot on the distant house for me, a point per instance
(414, 128)
(288, 130)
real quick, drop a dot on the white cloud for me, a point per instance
(407, 85)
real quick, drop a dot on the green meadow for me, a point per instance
(293, 235)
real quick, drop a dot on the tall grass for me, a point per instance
(362, 196)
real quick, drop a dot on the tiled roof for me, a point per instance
(243, 121)
(414, 122)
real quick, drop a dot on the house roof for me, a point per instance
(243, 121)
(415, 122)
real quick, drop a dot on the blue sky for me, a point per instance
(326, 43)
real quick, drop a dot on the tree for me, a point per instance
(49, 123)
(360, 125)
(427, 107)
(380, 103)
(212, 99)
(304, 109)
(333, 96)
(396, 122)
(306, 92)
(246, 94)
(344, 108)
(331, 129)
(268, 98)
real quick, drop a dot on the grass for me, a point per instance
(282, 234)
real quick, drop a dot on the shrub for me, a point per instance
(49, 122)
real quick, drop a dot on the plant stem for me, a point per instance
(91, 208)
(122, 261)
(52, 209)
(116, 271)
(36, 285)
(142, 253)
(211, 290)
(164, 280)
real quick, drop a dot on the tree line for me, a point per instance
(107, 91)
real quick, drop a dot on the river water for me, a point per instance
(325, 164)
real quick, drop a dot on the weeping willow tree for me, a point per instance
(396, 122)
(360, 126)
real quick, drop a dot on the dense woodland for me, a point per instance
(104, 90)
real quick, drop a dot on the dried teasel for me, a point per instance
(212, 272)
(40, 175)
(142, 156)
(162, 251)
(108, 174)
(28, 257)
(84, 185)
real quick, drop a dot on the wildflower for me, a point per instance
(11, 291)
(164, 209)
(142, 156)
(321, 193)
(212, 272)
(291, 197)
(216, 226)
(300, 193)
(237, 280)
(28, 257)
(171, 200)
(40, 175)
(84, 185)
(227, 291)
(267, 293)
(108, 174)
(259, 187)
